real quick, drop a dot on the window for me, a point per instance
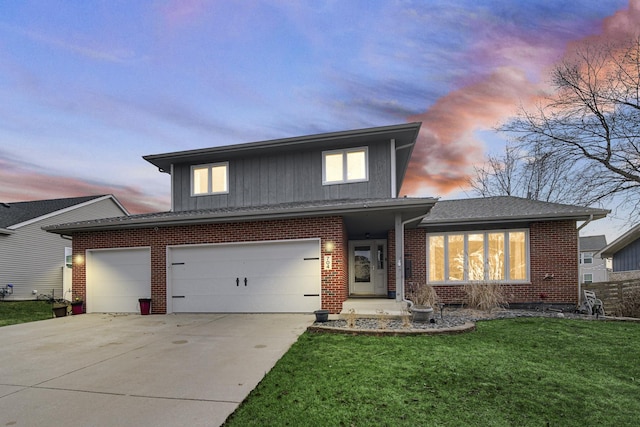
(210, 179)
(587, 278)
(586, 258)
(342, 166)
(496, 256)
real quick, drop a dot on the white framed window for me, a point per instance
(343, 166)
(586, 257)
(478, 256)
(587, 278)
(210, 179)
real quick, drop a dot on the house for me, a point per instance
(593, 268)
(33, 261)
(625, 255)
(299, 224)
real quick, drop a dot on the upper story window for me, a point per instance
(210, 179)
(342, 166)
(586, 257)
(478, 256)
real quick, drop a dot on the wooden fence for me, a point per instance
(612, 293)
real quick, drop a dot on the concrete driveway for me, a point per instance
(114, 370)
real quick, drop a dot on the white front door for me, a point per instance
(368, 267)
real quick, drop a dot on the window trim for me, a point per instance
(209, 167)
(344, 153)
(485, 233)
(584, 257)
(584, 278)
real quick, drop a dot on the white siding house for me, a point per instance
(593, 268)
(32, 260)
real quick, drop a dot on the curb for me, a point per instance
(467, 327)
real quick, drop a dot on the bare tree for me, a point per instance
(587, 134)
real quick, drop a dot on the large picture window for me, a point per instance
(210, 179)
(494, 256)
(342, 166)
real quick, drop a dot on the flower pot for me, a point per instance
(321, 315)
(145, 306)
(76, 307)
(421, 313)
(59, 310)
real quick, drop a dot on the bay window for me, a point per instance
(493, 256)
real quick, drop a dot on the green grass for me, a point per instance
(516, 372)
(14, 312)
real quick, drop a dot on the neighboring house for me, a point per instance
(298, 224)
(593, 267)
(625, 255)
(34, 261)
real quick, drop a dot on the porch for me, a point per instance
(373, 308)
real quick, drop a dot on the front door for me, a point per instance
(368, 267)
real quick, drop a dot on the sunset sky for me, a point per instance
(89, 87)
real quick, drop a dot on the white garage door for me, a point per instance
(246, 278)
(116, 279)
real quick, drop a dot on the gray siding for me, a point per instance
(286, 177)
(628, 258)
(32, 259)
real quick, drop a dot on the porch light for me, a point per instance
(79, 260)
(329, 246)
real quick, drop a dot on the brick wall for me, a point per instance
(553, 251)
(334, 283)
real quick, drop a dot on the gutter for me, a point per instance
(400, 259)
(580, 278)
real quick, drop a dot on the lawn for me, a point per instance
(516, 372)
(12, 312)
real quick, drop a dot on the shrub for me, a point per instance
(485, 296)
(630, 305)
(422, 295)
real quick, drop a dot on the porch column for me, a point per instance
(399, 226)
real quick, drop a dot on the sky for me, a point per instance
(89, 87)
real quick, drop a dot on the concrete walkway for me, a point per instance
(115, 370)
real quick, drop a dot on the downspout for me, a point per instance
(394, 185)
(579, 278)
(400, 297)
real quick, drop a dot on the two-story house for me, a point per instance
(593, 268)
(298, 224)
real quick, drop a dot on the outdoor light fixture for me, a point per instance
(329, 246)
(79, 260)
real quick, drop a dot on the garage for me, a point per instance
(116, 278)
(257, 277)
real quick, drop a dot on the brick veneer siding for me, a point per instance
(334, 283)
(553, 249)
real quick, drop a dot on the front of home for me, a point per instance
(299, 224)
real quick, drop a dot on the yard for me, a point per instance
(525, 372)
(12, 313)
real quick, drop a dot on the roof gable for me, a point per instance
(592, 243)
(504, 209)
(621, 242)
(16, 214)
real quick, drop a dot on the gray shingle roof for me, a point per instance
(18, 212)
(504, 209)
(283, 210)
(593, 243)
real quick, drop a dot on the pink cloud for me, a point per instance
(21, 184)
(448, 148)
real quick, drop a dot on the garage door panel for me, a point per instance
(277, 277)
(116, 279)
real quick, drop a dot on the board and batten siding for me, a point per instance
(627, 258)
(33, 259)
(294, 176)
